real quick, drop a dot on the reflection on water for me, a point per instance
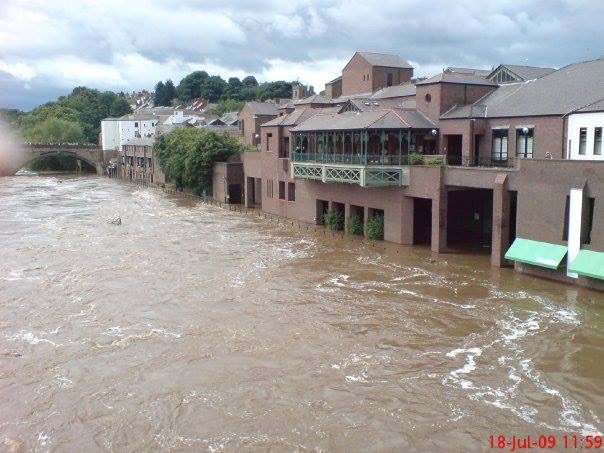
(191, 327)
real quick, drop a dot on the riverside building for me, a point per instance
(506, 162)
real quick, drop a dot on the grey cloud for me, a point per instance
(243, 35)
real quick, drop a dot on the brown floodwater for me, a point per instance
(189, 327)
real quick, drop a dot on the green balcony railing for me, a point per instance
(371, 159)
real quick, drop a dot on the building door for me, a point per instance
(235, 193)
(454, 149)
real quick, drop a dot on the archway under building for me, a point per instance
(422, 221)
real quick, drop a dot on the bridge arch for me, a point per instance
(74, 154)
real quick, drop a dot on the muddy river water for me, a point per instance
(189, 327)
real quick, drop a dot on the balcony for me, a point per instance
(481, 161)
(366, 171)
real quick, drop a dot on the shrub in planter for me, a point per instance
(355, 224)
(334, 220)
(435, 162)
(375, 227)
(416, 159)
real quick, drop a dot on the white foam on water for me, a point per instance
(467, 368)
(31, 338)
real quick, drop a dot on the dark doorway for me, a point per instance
(513, 207)
(476, 150)
(322, 209)
(454, 143)
(470, 219)
(235, 193)
(422, 220)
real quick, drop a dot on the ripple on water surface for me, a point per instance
(191, 327)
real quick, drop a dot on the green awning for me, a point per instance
(589, 264)
(542, 254)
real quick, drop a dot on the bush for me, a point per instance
(355, 224)
(187, 156)
(334, 220)
(435, 162)
(416, 159)
(375, 227)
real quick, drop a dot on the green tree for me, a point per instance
(158, 95)
(187, 156)
(169, 92)
(189, 87)
(272, 90)
(119, 107)
(250, 81)
(226, 105)
(54, 130)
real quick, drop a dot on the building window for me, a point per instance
(281, 190)
(291, 191)
(284, 151)
(598, 141)
(589, 216)
(428, 97)
(500, 144)
(582, 141)
(135, 124)
(269, 188)
(268, 141)
(524, 142)
(389, 79)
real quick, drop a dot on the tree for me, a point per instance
(187, 156)
(169, 92)
(189, 88)
(250, 81)
(212, 88)
(226, 105)
(119, 107)
(158, 96)
(233, 89)
(272, 90)
(54, 130)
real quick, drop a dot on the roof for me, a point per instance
(372, 119)
(597, 106)
(574, 87)
(471, 71)
(141, 141)
(298, 116)
(454, 77)
(262, 108)
(395, 91)
(229, 118)
(337, 79)
(313, 99)
(524, 72)
(385, 59)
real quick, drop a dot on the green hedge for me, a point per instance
(375, 227)
(355, 224)
(334, 220)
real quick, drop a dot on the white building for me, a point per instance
(584, 133)
(116, 132)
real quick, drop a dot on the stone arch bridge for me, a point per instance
(25, 153)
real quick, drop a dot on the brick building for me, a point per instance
(459, 161)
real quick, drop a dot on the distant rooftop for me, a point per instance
(453, 77)
(385, 59)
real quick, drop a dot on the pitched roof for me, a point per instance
(262, 108)
(229, 118)
(313, 99)
(453, 77)
(471, 71)
(597, 106)
(395, 91)
(385, 59)
(337, 79)
(372, 119)
(524, 72)
(566, 90)
(298, 116)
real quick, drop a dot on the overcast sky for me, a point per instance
(48, 47)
